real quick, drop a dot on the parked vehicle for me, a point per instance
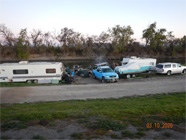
(105, 74)
(76, 68)
(83, 73)
(100, 64)
(133, 65)
(170, 68)
(31, 72)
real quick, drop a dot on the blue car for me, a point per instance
(105, 74)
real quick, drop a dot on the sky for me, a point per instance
(91, 17)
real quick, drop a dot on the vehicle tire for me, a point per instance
(169, 73)
(103, 80)
(35, 81)
(29, 81)
(93, 76)
(128, 76)
(82, 75)
(184, 71)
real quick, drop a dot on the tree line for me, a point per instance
(115, 42)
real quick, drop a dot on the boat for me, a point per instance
(135, 65)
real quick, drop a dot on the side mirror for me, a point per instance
(100, 71)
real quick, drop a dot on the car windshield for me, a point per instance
(159, 66)
(107, 70)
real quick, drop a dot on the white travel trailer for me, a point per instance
(135, 65)
(30, 72)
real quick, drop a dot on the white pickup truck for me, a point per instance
(170, 68)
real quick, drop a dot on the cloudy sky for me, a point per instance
(91, 17)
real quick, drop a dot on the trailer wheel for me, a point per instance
(128, 76)
(29, 81)
(36, 81)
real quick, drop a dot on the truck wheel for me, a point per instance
(93, 76)
(103, 80)
(169, 73)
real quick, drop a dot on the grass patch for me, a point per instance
(114, 136)
(77, 136)
(169, 108)
(167, 134)
(140, 134)
(129, 134)
(13, 125)
(5, 137)
(38, 137)
(23, 84)
(108, 125)
(17, 84)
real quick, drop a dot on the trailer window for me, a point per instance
(50, 70)
(25, 71)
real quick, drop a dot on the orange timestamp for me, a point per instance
(159, 125)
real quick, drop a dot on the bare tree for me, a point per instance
(36, 36)
(8, 36)
(65, 37)
(47, 39)
(103, 39)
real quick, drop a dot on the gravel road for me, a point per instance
(131, 87)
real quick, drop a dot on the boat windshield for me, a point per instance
(107, 70)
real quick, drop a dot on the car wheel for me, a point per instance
(116, 80)
(103, 80)
(169, 73)
(184, 71)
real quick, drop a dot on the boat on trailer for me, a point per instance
(25, 71)
(134, 65)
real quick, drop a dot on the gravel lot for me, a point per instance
(88, 88)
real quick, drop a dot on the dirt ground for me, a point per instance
(88, 88)
(73, 129)
(141, 78)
